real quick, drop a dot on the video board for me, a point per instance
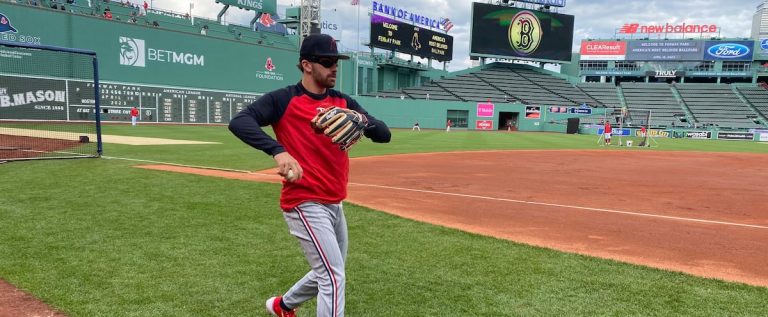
(407, 38)
(501, 31)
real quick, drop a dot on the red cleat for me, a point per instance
(273, 307)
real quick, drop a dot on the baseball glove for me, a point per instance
(344, 127)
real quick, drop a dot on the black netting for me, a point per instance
(47, 104)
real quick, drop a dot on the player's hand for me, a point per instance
(288, 167)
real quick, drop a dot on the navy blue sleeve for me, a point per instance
(377, 130)
(265, 111)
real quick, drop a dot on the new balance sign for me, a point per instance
(632, 28)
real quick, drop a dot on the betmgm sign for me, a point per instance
(134, 52)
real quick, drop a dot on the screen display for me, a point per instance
(407, 38)
(500, 31)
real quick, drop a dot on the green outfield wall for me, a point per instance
(134, 53)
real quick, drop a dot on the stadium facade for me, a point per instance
(164, 63)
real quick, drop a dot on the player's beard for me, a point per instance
(327, 81)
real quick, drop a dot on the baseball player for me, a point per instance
(315, 167)
(134, 116)
(607, 132)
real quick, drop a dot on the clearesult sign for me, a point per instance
(603, 51)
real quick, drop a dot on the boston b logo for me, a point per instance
(525, 33)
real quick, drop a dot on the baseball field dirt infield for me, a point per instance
(698, 213)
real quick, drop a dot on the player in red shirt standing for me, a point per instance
(134, 116)
(607, 132)
(316, 172)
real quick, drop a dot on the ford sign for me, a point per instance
(764, 44)
(728, 50)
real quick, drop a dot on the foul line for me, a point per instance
(183, 165)
(631, 213)
(567, 206)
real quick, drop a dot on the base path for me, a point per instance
(15, 303)
(699, 213)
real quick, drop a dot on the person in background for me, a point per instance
(607, 132)
(134, 116)
(416, 126)
(448, 125)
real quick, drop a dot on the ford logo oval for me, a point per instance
(764, 44)
(728, 50)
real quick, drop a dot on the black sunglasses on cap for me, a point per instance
(327, 62)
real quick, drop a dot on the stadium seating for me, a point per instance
(176, 21)
(717, 104)
(656, 97)
(605, 94)
(758, 97)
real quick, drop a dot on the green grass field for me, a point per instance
(96, 237)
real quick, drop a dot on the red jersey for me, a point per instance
(134, 112)
(289, 111)
(607, 127)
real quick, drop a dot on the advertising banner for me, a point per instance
(391, 34)
(653, 133)
(616, 132)
(698, 135)
(741, 136)
(558, 109)
(484, 125)
(665, 50)
(485, 110)
(728, 50)
(763, 137)
(503, 31)
(532, 112)
(665, 73)
(330, 23)
(269, 6)
(603, 51)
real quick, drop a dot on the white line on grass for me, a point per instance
(567, 206)
(639, 214)
(184, 165)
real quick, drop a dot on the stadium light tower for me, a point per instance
(310, 17)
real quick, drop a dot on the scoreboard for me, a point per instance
(391, 34)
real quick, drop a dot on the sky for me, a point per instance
(593, 18)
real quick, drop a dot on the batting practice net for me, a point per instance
(627, 126)
(49, 103)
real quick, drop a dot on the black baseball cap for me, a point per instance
(320, 45)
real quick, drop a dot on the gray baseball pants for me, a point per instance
(322, 233)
